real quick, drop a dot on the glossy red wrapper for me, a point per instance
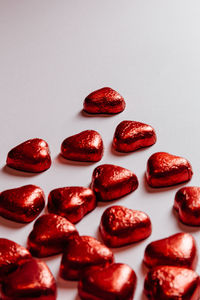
(31, 281)
(22, 204)
(114, 282)
(73, 202)
(50, 235)
(170, 282)
(131, 135)
(121, 226)
(164, 169)
(30, 156)
(84, 146)
(176, 250)
(104, 101)
(111, 182)
(83, 252)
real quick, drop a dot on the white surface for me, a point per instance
(54, 53)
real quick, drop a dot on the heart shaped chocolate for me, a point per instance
(30, 156)
(22, 204)
(116, 281)
(50, 235)
(83, 252)
(104, 101)
(71, 202)
(131, 135)
(164, 169)
(176, 250)
(121, 226)
(111, 182)
(84, 146)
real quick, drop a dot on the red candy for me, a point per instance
(131, 135)
(30, 156)
(31, 281)
(104, 101)
(115, 282)
(71, 202)
(111, 182)
(50, 235)
(170, 282)
(82, 252)
(121, 226)
(22, 204)
(176, 250)
(164, 169)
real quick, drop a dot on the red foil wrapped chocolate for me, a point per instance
(171, 282)
(164, 169)
(111, 182)
(131, 135)
(50, 235)
(116, 281)
(121, 226)
(84, 146)
(83, 252)
(176, 250)
(104, 101)
(30, 156)
(22, 204)
(72, 202)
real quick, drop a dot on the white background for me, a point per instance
(54, 53)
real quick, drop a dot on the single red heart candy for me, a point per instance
(104, 101)
(116, 281)
(164, 169)
(84, 146)
(31, 281)
(176, 250)
(50, 235)
(83, 252)
(22, 204)
(131, 135)
(30, 156)
(72, 202)
(111, 182)
(170, 282)
(121, 226)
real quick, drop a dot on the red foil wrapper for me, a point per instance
(121, 226)
(84, 146)
(22, 204)
(83, 252)
(164, 169)
(131, 135)
(176, 250)
(73, 202)
(111, 182)
(30, 156)
(104, 101)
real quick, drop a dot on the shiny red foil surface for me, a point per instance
(31, 281)
(116, 281)
(131, 135)
(170, 282)
(104, 101)
(164, 169)
(83, 252)
(30, 156)
(121, 226)
(73, 202)
(84, 146)
(111, 182)
(176, 250)
(50, 235)
(22, 204)
(187, 205)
